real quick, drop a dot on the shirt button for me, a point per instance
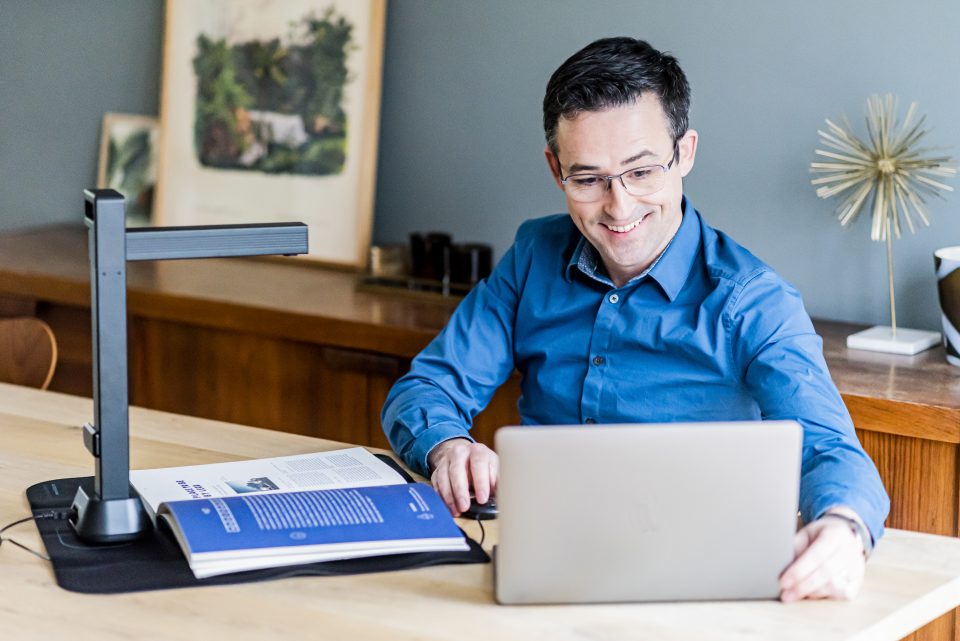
(614, 298)
(598, 360)
(590, 421)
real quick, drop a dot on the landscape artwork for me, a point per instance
(270, 113)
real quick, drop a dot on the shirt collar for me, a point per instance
(671, 268)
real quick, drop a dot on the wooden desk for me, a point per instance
(911, 579)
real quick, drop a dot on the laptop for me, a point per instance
(649, 512)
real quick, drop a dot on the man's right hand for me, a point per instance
(460, 465)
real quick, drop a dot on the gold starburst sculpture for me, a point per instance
(888, 170)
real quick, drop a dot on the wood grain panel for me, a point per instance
(921, 479)
(344, 397)
(940, 629)
(17, 306)
(232, 377)
(71, 326)
(915, 420)
(379, 387)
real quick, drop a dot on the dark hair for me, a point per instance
(611, 72)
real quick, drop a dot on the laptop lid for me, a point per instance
(651, 512)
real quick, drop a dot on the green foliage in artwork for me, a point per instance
(323, 72)
(129, 172)
(129, 161)
(320, 157)
(220, 97)
(275, 107)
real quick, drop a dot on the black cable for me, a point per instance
(483, 533)
(36, 517)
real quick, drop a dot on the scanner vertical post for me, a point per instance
(109, 511)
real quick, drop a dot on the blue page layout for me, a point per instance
(290, 519)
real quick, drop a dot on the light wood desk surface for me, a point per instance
(911, 579)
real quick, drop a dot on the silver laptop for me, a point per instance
(652, 512)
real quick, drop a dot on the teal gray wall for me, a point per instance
(461, 141)
(62, 65)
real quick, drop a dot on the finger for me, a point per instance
(814, 586)
(852, 589)
(441, 483)
(842, 588)
(459, 482)
(848, 572)
(821, 547)
(843, 573)
(836, 590)
(827, 584)
(801, 541)
(825, 591)
(480, 473)
(494, 464)
(829, 580)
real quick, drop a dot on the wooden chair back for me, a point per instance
(28, 352)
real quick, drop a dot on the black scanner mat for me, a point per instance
(156, 562)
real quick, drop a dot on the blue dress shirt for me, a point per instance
(709, 332)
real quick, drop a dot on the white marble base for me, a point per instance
(881, 339)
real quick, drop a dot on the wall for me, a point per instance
(62, 65)
(461, 141)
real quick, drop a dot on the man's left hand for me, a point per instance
(828, 563)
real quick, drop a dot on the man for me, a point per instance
(632, 309)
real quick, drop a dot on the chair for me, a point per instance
(28, 352)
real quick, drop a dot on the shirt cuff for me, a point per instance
(856, 525)
(432, 437)
(862, 511)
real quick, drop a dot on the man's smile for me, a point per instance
(622, 229)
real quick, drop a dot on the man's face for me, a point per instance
(628, 231)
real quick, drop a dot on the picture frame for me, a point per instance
(270, 112)
(129, 146)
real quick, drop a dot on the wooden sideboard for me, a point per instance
(288, 346)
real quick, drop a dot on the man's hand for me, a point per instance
(829, 562)
(459, 465)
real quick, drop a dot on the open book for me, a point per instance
(246, 515)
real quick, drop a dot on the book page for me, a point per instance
(351, 467)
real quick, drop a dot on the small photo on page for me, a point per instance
(257, 484)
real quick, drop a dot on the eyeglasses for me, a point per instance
(638, 181)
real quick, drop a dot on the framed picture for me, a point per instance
(128, 162)
(270, 112)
